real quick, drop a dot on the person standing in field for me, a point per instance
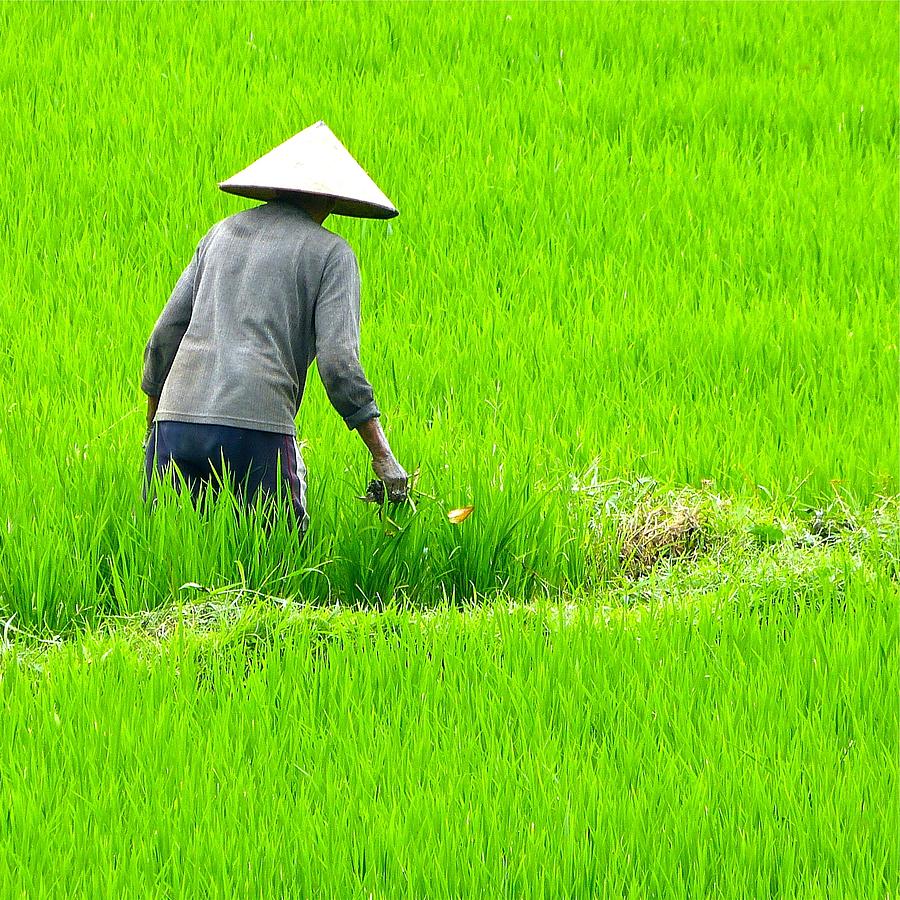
(267, 291)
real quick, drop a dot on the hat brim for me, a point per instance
(344, 206)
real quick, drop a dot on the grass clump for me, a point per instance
(657, 531)
(640, 533)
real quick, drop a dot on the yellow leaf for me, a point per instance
(460, 515)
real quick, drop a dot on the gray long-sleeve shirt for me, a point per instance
(267, 291)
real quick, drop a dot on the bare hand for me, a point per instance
(393, 476)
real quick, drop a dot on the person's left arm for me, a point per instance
(165, 339)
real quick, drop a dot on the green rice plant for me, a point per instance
(651, 239)
(644, 264)
(736, 744)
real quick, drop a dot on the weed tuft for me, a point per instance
(659, 531)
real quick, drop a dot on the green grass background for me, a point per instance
(716, 750)
(661, 239)
(635, 241)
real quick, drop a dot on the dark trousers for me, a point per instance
(258, 462)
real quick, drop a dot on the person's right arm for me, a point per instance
(384, 463)
(337, 358)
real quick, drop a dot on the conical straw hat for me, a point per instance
(313, 162)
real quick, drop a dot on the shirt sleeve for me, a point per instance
(337, 339)
(159, 354)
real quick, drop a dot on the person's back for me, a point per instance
(254, 318)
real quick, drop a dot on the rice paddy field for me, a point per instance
(639, 310)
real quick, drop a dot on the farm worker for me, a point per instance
(267, 291)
